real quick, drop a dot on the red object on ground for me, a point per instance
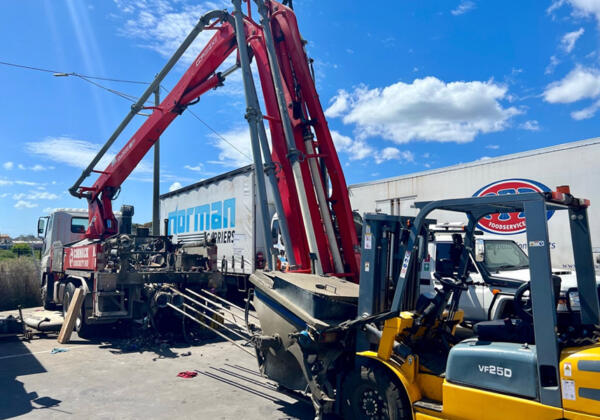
(187, 374)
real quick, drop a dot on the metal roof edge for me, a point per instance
(550, 149)
(242, 170)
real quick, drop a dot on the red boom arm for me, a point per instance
(308, 122)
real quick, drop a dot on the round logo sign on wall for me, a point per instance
(508, 223)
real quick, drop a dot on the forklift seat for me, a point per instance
(506, 330)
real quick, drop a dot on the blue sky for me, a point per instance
(407, 86)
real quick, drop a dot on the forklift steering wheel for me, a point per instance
(522, 309)
(450, 282)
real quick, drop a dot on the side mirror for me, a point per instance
(41, 228)
(479, 250)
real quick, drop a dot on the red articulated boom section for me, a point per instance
(306, 113)
(318, 165)
(198, 79)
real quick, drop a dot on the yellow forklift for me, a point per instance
(400, 356)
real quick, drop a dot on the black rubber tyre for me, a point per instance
(44, 297)
(370, 392)
(83, 328)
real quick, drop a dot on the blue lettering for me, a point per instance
(229, 212)
(216, 215)
(201, 217)
(189, 212)
(172, 223)
(181, 221)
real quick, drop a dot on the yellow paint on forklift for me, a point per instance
(423, 416)
(431, 386)
(475, 404)
(391, 328)
(412, 390)
(574, 379)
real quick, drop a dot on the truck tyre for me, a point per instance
(49, 305)
(370, 392)
(81, 326)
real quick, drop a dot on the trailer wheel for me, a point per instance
(83, 328)
(370, 392)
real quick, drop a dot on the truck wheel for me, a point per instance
(370, 392)
(81, 326)
(49, 305)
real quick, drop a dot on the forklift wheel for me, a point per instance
(370, 392)
(83, 328)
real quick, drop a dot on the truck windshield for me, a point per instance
(504, 255)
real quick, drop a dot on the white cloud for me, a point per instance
(531, 125)
(359, 149)
(21, 166)
(4, 195)
(8, 165)
(463, 7)
(553, 63)
(162, 25)
(492, 146)
(587, 112)
(581, 8)
(198, 168)
(580, 83)
(392, 153)
(426, 109)
(569, 39)
(22, 204)
(75, 153)
(175, 186)
(356, 149)
(237, 150)
(7, 182)
(340, 104)
(36, 195)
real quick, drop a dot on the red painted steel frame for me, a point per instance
(299, 89)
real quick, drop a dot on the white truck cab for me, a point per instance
(64, 225)
(497, 267)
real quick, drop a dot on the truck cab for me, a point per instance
(62, 225)
(497, 267)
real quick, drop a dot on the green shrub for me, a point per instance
(19, 283)
(22, 250)
(5, 254)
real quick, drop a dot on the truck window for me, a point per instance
(442, 252)
(79, 224)
(504, 255)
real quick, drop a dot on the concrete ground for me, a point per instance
(99, 380)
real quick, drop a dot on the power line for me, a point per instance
(213, 130)
(108, 79)
(123, 95)
(220, 136)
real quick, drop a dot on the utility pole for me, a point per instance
(156, 185)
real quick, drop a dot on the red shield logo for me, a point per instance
(508, 223)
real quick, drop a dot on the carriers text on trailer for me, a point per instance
(574, 164)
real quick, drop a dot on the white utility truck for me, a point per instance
(497, 268)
